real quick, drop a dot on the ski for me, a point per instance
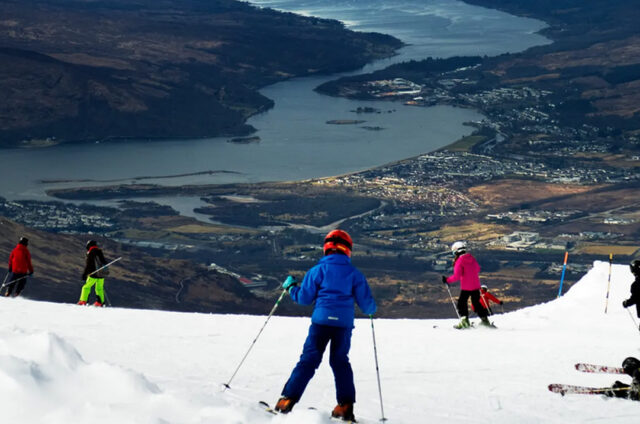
(492, 326)
(340, 420)
(267, 407)
(595, 368)
(563, 389)
(471, 325)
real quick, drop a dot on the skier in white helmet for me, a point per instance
(466, 270)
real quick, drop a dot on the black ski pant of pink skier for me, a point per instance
(463, 307)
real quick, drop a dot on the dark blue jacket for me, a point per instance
(334, 284)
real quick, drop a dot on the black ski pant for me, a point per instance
(622, 390)
(17, 280)
(463, 307)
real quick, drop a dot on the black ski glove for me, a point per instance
(624, 303)
(444, 279)
(501, 302)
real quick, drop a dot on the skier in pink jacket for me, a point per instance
(466, 270)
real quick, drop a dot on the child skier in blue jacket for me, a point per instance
(334, 284)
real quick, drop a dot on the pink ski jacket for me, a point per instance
(466, 270)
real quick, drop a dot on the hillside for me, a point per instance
(162, 367)
(137, 281)
(78, 70)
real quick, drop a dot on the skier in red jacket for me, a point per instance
(486, 298)
(20, 267)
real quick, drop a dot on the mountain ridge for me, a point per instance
(94, 70)
(139, 280)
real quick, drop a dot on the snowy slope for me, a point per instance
(62, 364)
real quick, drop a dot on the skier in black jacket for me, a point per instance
(631, 391)
(94, 261)
(635, 287)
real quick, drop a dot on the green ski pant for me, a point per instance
(86, 289)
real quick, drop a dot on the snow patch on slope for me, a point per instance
(62, 364)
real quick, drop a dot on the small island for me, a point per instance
(345, 122)
(244, 140)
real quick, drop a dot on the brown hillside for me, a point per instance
(137, 281)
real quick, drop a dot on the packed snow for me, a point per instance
(62, 364)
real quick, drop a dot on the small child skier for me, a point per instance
(635, 288)
(486, 298)
(94, 261)
(334, 285)
(466, 270)
(631, 391)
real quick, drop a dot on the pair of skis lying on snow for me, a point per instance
(585, 390)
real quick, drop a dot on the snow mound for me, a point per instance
(46, 380)
(111, 365)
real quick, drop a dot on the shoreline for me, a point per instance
(289, 181)
(156, 190)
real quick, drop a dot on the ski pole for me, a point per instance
(375, 355)
(227, 384)
(606, 303)
(106, 297)
(452, 302)
(4, 283)
(12, 282)
(486, 302)
(635, 324)
(104, 266)
(5, 280)
(564, 268)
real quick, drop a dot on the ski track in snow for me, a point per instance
(62, 364)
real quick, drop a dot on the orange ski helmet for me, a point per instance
(338, 240)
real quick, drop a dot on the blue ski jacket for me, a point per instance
(334, 284)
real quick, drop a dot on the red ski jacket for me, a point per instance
(20, 260)
(485, 299)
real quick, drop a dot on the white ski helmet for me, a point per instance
(458, 247)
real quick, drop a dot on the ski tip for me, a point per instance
(556, 388)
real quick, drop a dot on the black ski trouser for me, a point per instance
(463, 307)
(622, 390)
(19, 285)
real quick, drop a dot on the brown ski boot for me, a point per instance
(284, 405)
(344, 411)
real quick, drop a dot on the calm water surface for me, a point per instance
(296, 142)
